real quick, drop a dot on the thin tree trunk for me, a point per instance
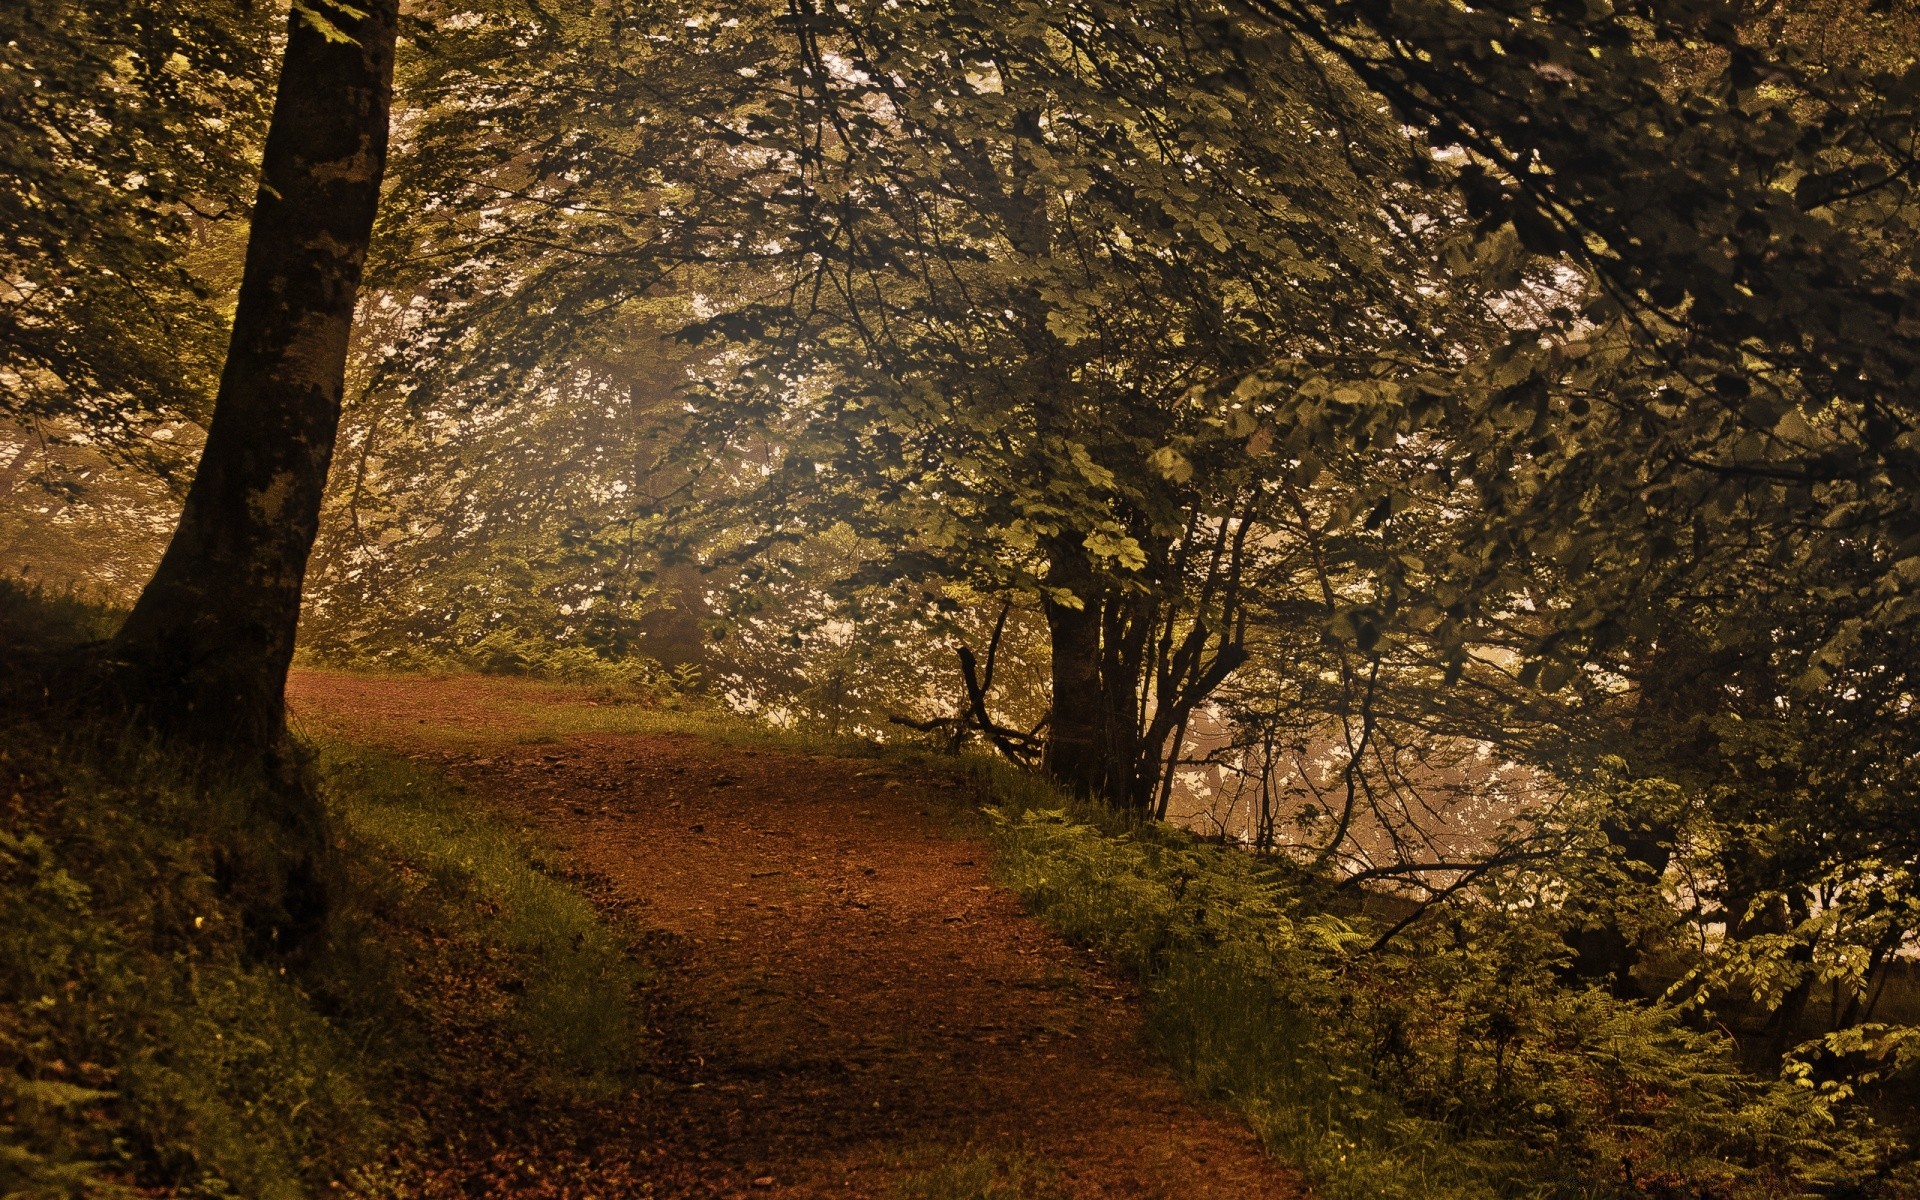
(206, 650)
(1076, 735)
(1128, 628)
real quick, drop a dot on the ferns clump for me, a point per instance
(1451, 1061)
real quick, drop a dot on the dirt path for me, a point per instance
(846, 999)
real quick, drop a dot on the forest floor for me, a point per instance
(843, 1004)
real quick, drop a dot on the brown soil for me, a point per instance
(844, 997)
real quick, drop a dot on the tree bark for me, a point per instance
(206, 649)
(1076, 735)
(1126, 623)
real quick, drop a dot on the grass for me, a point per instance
(142, 1042)
(457, 868)
(710, 723)
(1455, 1069)
(980, 1175)
(147, 1043)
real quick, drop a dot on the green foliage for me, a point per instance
(1731, 347)
(145, 1040)
(1017, 280)
(957, 326)
(538, 517)
(127, 133)
(464, 873)
(123, 972)
(1452, 1063)
(69, 518)
(36, 622)
(512, 651)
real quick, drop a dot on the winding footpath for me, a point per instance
(844, 997)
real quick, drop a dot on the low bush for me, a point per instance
(141, 1042)
(1451, 1062)
(146, 1042)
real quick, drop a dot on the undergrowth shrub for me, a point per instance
(37, 621)
(146, 1043)
(1450, 1063)
(138, 1038)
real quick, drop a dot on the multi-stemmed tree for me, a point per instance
(1030, 252)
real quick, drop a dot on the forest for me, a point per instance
(895, 598)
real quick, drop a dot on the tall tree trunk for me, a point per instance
(203, 657)
(1076, 734)
(206, 650)
(1128, 623)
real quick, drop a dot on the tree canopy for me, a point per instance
(1465, 454)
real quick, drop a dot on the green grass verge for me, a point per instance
(565, 716)
(142, 1044)
(447, 865)
(518, 709)
(1453, 1067)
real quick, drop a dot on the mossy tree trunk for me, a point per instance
(203, 657)
(205, 652)
(1077, 731)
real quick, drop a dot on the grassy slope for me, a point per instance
(1429, 1074)
(141, 1044)
(134, 1027)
